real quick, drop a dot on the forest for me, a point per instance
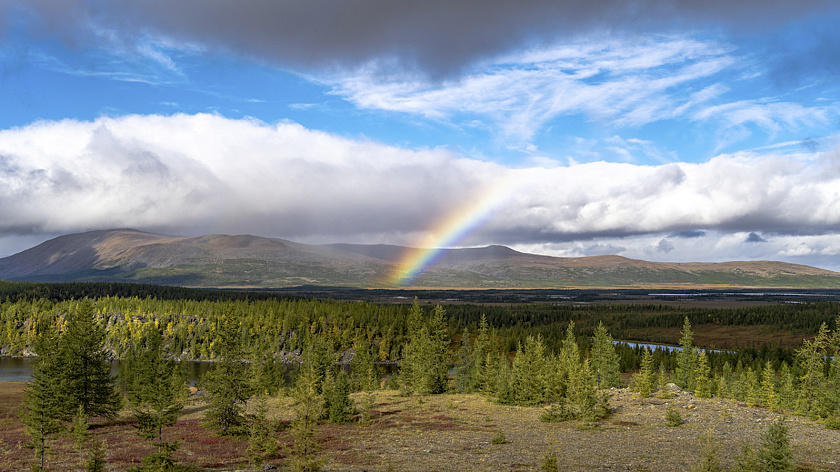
(561, 356)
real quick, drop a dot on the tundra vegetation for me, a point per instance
(560, 357)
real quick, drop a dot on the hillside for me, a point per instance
(127, 255)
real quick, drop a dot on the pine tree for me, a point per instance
(86, 378)
(685, 374)
(226, 382)
(604, 359)
(41, 411)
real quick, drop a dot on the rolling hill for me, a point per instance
(127, 255)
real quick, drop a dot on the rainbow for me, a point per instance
(452, 229)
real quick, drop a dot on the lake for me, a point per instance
(20, 368)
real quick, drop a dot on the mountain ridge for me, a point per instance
(219, 260)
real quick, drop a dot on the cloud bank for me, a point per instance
(194, 174)
(436, 37)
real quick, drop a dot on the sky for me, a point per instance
(664, 130)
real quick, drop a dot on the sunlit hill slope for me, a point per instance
(127, 255)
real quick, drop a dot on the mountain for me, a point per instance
(127, 255)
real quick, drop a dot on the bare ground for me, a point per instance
(455, 433)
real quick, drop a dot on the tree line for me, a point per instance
(73, 341)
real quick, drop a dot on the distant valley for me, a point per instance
(244, 261)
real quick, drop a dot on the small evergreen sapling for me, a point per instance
(643, 381)
(550, 463)
(775, 453)
(262, 442)
(308, 408)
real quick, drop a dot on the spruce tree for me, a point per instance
(711, 456)
(262, 442)
(338, 408)
(604, 359)
(702, 382)
(465, 365)
(156, 389)
(662, 381)
(775, 453)
(41, 411)
(528, 373)
(226, 382)
(364, 373)
(643, 381)
(787, 388)
(568, 362)
(86, 378)
(751, 387)
(481, 351)
(811, 359)
(768, 387)
(425, 365)
(685, 374)
(308, 408)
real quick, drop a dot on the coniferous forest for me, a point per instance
(562, 357)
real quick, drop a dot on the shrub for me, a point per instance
(557, 413)
(550, 463)
(673, 417)
(500, 438)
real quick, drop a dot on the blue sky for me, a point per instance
(653, 129)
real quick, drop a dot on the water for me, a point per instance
(666, 347)
(20, 368)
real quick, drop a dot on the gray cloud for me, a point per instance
(439, 37)
(754, 238)
(689, 234)
(664, 246)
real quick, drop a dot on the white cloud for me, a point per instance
(193, 174)
(625, 83)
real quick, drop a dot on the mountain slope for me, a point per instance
(127, 255)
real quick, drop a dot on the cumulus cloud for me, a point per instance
(205, 173)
